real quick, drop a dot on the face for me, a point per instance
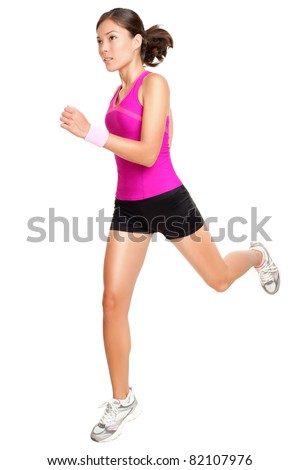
(117, 48)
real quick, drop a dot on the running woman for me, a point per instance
(150, 197)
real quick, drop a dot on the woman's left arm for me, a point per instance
(156, 104)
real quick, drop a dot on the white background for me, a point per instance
(214, 373)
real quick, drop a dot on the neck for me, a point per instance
(130, 73)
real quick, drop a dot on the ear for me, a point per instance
(137, 41)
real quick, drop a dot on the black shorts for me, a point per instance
(172, 213)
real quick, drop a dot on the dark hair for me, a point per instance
(156, 40)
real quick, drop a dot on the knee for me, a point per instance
(109, 301)
(112, 304)
(220, 284)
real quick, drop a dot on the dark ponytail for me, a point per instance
(156, 40)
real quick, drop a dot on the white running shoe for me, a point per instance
(116, 414)
(268, 272)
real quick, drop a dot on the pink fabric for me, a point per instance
(97, 136)
(135, 181)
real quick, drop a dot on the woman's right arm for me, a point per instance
(156, 108)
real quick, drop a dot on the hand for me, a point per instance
(74, 121)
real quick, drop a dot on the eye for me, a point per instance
(99, 41)
(112, 37)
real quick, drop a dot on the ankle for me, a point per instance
(121, 395)
(260, 259)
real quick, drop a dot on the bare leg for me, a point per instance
(125, 254)
(203, 255)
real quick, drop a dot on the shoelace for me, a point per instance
(266, 273)
(110, 412)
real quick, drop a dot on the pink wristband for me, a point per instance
(97, 136)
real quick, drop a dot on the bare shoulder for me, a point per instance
(155, 81)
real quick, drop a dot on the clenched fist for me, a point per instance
(74, 121)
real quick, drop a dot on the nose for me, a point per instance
(103, 47)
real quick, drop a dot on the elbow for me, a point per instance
(151, 159)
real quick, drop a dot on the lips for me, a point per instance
(107, 59)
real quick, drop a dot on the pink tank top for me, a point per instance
(135, 181)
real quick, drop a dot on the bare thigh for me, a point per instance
(124, 257)
(201, 252)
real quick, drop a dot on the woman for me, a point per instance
(150, 197)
